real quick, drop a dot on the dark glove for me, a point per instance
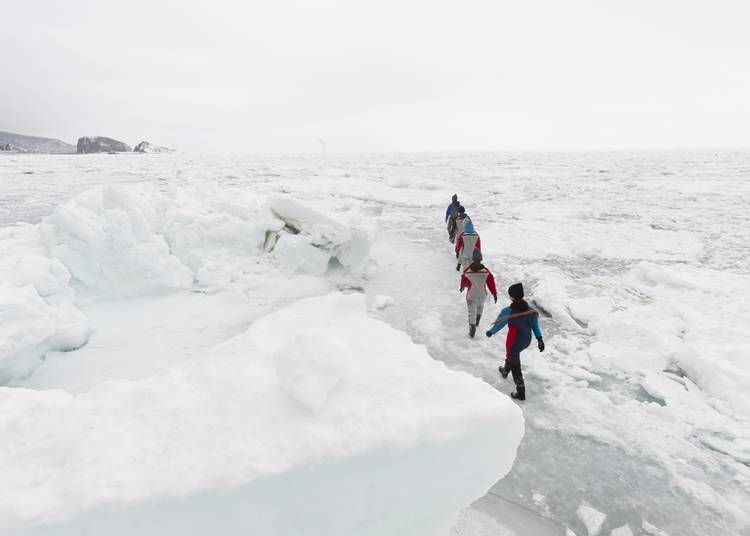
(457, 254)
(488, 333)
(461, 289)
(540, 344)
(495, 297)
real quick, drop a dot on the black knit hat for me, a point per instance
(461, 209)
(476, 255)
(515, 291)
(455, 197)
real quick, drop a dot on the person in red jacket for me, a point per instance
(478, 279)
(522, 322)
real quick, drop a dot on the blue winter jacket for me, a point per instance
(450, 209)
(507, 311)
(519, 332)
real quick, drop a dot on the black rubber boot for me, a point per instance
(520, 394)
(504, 370)
(472, 330)
(479, 317)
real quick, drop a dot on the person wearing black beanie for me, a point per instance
(522, 321)
(515, 291)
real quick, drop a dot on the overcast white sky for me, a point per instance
(380, 75)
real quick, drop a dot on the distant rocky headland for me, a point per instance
(19, 143)
(101, 144)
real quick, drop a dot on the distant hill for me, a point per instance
(101, 144)
(34, 144)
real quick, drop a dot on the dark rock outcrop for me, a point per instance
(34, 144)
(143, 147)
(146, 147)
(100, 144)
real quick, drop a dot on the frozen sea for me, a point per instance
(639, 409)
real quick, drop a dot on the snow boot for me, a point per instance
(520, 393)
(503, 371)
(458, 266)
(472, 330)
(479, 317)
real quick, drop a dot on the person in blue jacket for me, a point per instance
(522, 321)
(453, 206)
(451, 213)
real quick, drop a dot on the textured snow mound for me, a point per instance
(689, 322)
(110, 239)
(134, 239)
(678, 327)
(36, 304)
(263, 411)
(347, 245)
(704, 314)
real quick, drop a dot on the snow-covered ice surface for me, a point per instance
(190, 359)
(341, 413)
(638, 409)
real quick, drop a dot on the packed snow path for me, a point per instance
(554, 471)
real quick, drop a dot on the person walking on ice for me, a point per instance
(461, 220)
(453, 206)
(456, 222)
(452, 225)
(475, 278)
(522, 320)
(467, 242)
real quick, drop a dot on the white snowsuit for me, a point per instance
(465, 247)
(477, 282)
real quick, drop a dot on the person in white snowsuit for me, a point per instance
(477, 279)
(467, 242)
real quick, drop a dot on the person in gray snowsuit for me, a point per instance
(467, 242)
(461, 220)
(477, 279)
